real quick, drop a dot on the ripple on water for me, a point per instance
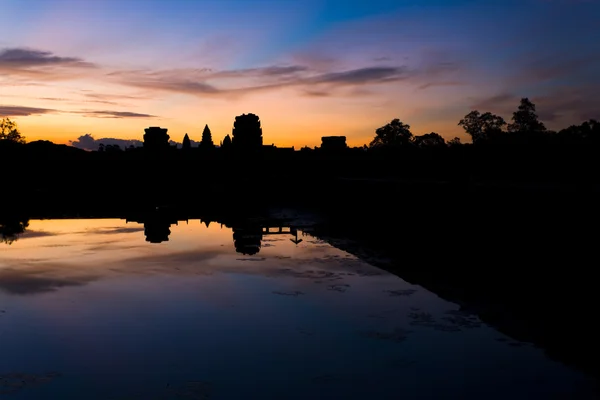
(453, 321)
(338, 288)
(397, 335)
(294, 293)
(401, 292)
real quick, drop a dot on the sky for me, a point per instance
(307, 68)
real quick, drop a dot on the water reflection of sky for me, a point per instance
(90, 310)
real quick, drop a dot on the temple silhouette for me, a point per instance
(162, 172)
(156, 139)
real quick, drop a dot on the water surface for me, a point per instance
(89, 309)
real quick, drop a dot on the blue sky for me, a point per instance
(308, 68)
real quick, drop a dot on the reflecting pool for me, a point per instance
(111, 309)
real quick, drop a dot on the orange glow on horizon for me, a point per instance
(62, 129)
(288, 118)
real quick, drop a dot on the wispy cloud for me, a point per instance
(573, 103)
(24, 63)
(247, 81)
(22, 111)
(54, 98)
(114, 114)
(109, 98)
(499, 103)
(360, 76)
(27, 58)
(311, 78)
(113, 230)
(428, 85)
(548, 68)
(265, 72)
(316, 93)
(190, 81)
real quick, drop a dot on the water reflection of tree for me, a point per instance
(10, 229)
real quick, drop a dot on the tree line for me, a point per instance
(525, 129)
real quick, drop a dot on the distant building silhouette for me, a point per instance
(226, 143)
(247, 132)
(156, 138)
(333, 143)
(186, 144)
(206, 142)
(272, 150)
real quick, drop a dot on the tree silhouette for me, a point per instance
(482, 127)
(10, 131)
(394, 134)
(429, 140)
(112, 148)
(206, 142)
(186, 144)
(525, 120)
(586, 133)
(247, 132)
(454, 142)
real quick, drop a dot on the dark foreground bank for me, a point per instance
(521, 257)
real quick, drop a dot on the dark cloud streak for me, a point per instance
(361, 76)
(271, 78)
(27, 58)
(497, 103)
(115, 114)
(22, 111)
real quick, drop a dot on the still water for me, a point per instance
(89, 309)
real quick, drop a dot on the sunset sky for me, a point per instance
(308, 68)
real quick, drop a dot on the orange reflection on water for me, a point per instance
(60, 253)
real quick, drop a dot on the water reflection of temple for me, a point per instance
(247, 238)
(282, 230)
(157, 231)
(248, 233)
(157, 226)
